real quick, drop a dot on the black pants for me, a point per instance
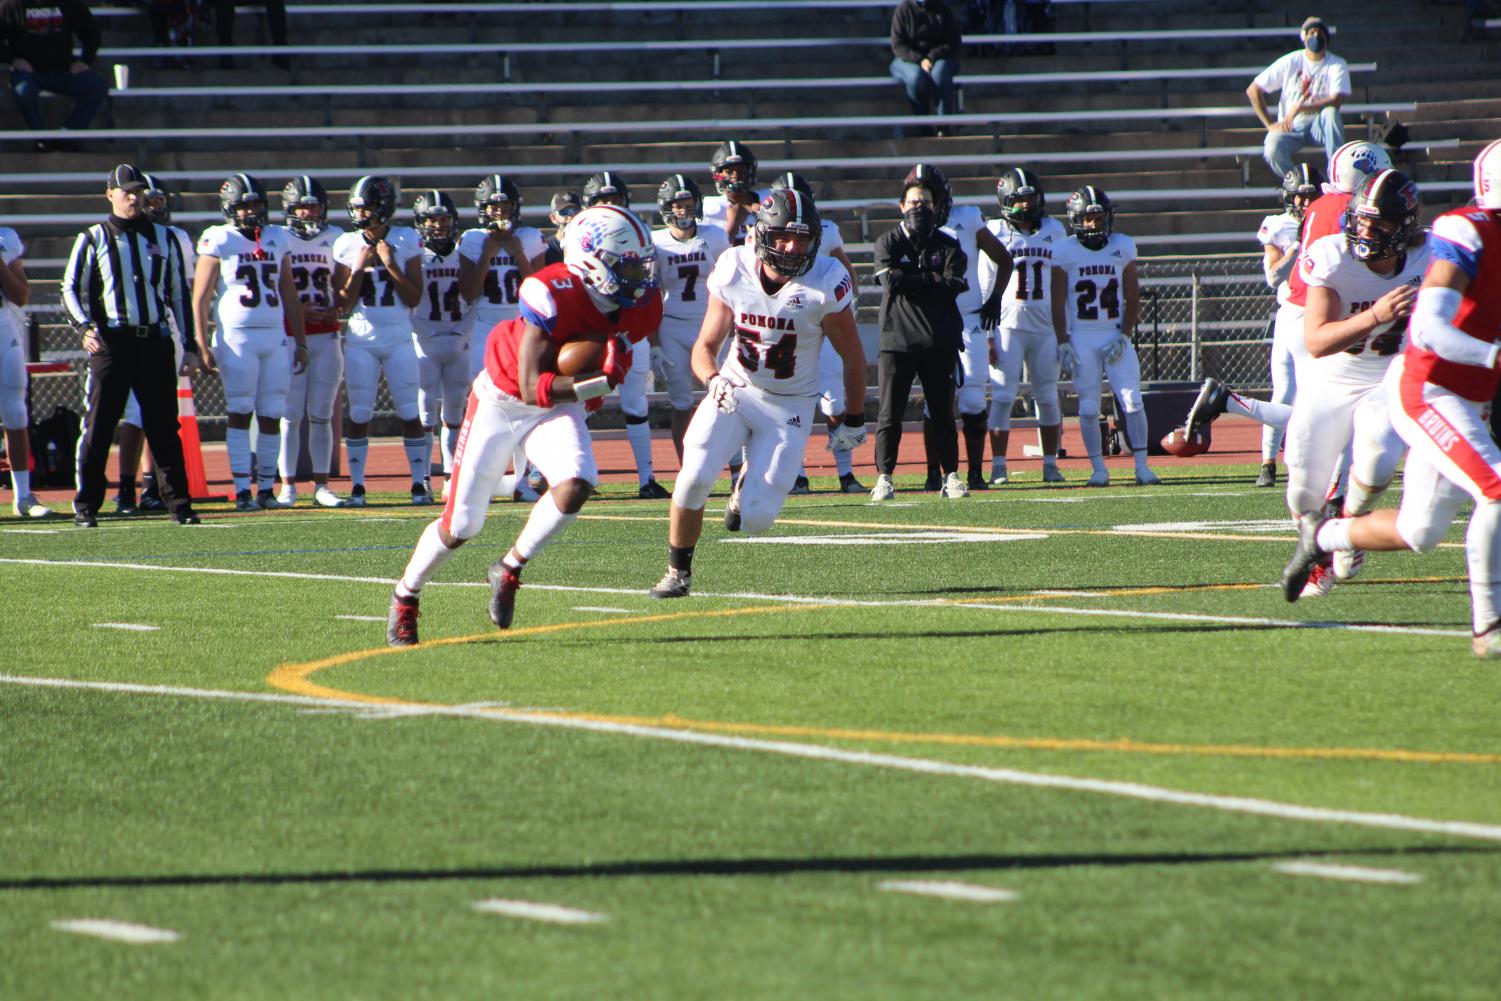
(276, 20)
(895, 372)
(147, 366)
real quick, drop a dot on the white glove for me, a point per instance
(722, 392)
(846, 437)
(1067, 360)
(1115, 349)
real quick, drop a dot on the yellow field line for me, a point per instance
(297, 679)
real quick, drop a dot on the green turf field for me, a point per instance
(1084, 752)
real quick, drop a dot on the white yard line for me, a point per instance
(1352, 873)
(815, 752)
(530, 911)
(948, 890)
(361, 618)
(117, 931)
(606, 609)
(130, 627)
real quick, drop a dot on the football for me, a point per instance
(1177, 442)
(581, 356)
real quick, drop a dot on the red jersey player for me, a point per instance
(603, 286)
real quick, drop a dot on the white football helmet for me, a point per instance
(612, 253)
(1355, 161)
(1488, 177)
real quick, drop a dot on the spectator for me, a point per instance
(276, 20)
(1314, 82)
(922, 272)
(565, 205)
(925, 40)
(36, 38)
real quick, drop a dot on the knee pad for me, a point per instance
(1089, 408)
(360, 413)
(691, 492)
(758, 512)
(971, 397)
(1130, 400)
(1049, 413)
(13, 409)
(1419, 530)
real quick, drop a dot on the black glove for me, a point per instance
(990, 313)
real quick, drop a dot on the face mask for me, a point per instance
(1316, 42)
(920, 221)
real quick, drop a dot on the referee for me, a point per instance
(123, 277)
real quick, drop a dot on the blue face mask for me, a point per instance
(1316, 42)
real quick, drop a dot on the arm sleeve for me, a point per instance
(896, 279)
(76, 278)
(901, 35)
(1433, 329)
(178, 296)
(955, 264)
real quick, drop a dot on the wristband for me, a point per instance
(854, 420)
(592, 388)
(543, 388)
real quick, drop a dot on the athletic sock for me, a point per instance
(418, 450)
(21, 479)
(429, 554)
(268, 450)
(1334, 536)
(544, 524)
(290, 452)
(450, 437)
(638, 433)
(358, 449)
(320, 445)
(237, 444)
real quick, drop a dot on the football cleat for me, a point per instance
(1305, 556)
(1320, 580)
(1050, 474)
(934, 482)
(152, 501)
(674, 584)
(1268, 475)
(884, 489)
(1348, 563)
(356, 496)
(1488, 643)
(849, 485)
(954, 488)
(83, 517)
(652, 490)
(28, 506)
(288, 495)
(324, 497)
(504, 583)
(421, 494)
(800, 486)
(998, 474)
(1147, 478)
(1180, 443)
(977, 480)
(266, 500)
(732, 507)
(125, 504)
(1210, 404)
(185, 515)
(1099, 478)
(401, 622)
(244, 501)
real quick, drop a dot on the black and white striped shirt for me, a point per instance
(127, 275)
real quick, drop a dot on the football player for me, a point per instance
(733, 207)
(378, 280)
(1096, 303)
(314, 390)
(966, 224)
(1361, 286)
(686, 252)
(441, 327)
(1438, 393)
(830, 365)
(15, 292)
(1019, 314)
(603, 288)
(156, 205)
(780, 299)
(244, 273)
(495, 257)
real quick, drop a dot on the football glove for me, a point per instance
(846, 437)
(1115, 349)
(618, 357)
(722, 392)
(1067, 360)
(990, 313)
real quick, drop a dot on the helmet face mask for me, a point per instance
(1300, 186)
(611, 252)
(372, 203)
(1023, 202)
(607, 188)
(1382, 218)
(788, 233)
(734, 168)
(497, 203)
(437, 221)
(680, 203)
(1091, 217)
(243, 202)
(304, 207)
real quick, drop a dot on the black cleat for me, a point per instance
(126, 504)
(674, 584)
(849, 485)
(1209, 404)
(1268, 475)
(652, 490)
(152, 501)
(934, 482)
(800, 486)
(504, 583)
(732, 507)
(84, 518)
(401, 622)
(977, 480)
(1305, 556)
(185, 515)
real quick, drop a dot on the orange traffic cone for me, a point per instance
(192, 445)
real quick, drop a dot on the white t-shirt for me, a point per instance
(964, 225)
(248, 294)
(1028, 301)
(1096, 283)
(717, 209)
(1302, 80)
(442, 309)
(777, 337)
(1281, 231)
(11, 249)
(379, 307)
(1329, 264)
(683, 266)
(500, 297)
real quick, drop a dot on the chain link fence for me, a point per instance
(1206, 316)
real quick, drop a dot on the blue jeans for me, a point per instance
(1324, 129)
(923, 87)
(87, 89)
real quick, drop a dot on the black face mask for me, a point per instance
(920, 221)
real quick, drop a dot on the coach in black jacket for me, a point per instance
(922, 271)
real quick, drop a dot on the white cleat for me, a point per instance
(1320, 582)
(998, 476)
(884, 489)
(288, 495)
(324, 497)
(29, 507)
(1099, 478)
(1488, 644)
(1348, 564)
(954, 488)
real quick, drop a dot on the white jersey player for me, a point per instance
(15, 292)
(497, 255)
(244, 272)
(780, 300)
(314, 390)
(1020, 318)
(378, 278)
(1097, 300)
(441, 326)
(1361, 287)
(732, 208)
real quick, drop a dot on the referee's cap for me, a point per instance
(126, 177)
